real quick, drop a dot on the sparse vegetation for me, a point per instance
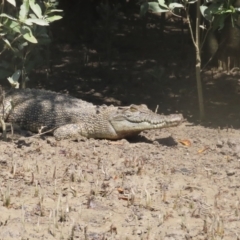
(25, 37)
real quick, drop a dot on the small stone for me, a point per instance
(230, 172)
(52, 142)
(219, 144)
(139, 232)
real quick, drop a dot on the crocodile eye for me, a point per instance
(133, 109)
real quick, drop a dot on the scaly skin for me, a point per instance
(73, 118)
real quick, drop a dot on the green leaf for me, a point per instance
(53, 18)
(32, 15)
(175, 5)
(8, 16)
(16, 75)
(143, 9)
(22, 45)
(209, 11)
(218, 22)
(229, 11)
(13, 2)
(7, 42)
(24, 9)
(27, 34)
(28, 22)
(192, 1)
(206, 13)
(36, 8)
(14, 79)
(41, 22)
(57, 10)
(162, 3)
(12, 25)
(155, 7)
(43, 39)
(49, 11)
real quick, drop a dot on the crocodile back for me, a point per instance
(33, 109)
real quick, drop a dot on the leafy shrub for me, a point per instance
(24, 35)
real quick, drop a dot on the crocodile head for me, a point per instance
(131, 120)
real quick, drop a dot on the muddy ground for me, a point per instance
(176, 183)
(152, 187)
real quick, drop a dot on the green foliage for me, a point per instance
(13, 80)
(159, 6)
(24, 35)
(215, 12)
(218, 11)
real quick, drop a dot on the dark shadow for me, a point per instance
(146, 66)
(21, 143)
(138, 138)
(168, 141)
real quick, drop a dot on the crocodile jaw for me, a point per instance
(125, 127)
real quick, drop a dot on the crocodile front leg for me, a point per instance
(72, 131)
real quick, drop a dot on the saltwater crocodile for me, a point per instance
(70, 117)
